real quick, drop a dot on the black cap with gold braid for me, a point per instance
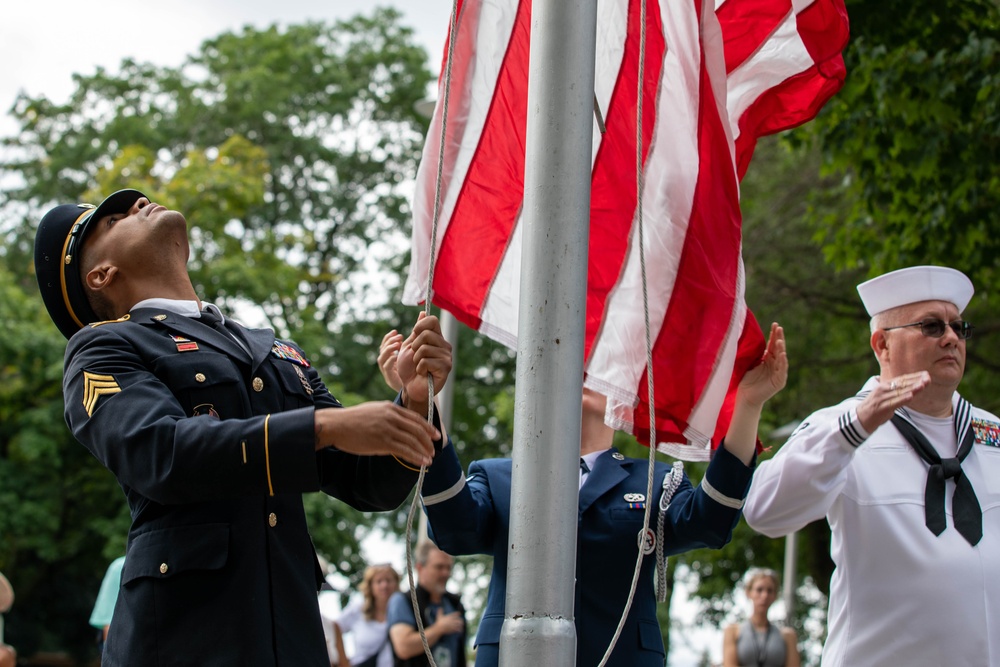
(58, 245)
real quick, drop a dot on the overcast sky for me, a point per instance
(44, 42)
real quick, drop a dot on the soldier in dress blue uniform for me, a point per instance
(213, 431)
(472, 515)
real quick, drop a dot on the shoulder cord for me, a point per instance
(645, 537)
(452, 36)
(671, 481)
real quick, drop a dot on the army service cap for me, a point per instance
(58, 244)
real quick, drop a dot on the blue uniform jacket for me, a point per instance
(472, 516)
(213, 448)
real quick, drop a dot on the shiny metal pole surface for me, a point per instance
(539, 626)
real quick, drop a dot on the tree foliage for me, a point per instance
(62, 517)
(914, 138)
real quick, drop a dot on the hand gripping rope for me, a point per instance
(427, 310)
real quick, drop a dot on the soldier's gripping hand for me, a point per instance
(377, 428)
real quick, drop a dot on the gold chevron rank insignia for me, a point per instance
(95, 386)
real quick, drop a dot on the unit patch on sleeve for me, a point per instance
(288, 353)
(95, 386)
(987, 432)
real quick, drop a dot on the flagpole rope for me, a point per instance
(452, 30)
(640, 233)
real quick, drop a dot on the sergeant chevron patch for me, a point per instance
(95, 386)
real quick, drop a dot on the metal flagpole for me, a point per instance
(445, 397)
(780, 435)
(539, 627)
(790, 576)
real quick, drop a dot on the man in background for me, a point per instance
(442, 614)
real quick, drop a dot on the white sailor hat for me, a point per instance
(914, 284)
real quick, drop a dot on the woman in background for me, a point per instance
(756, 642)
(365, 617)
(8, 656)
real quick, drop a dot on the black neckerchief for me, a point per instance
(964, 504)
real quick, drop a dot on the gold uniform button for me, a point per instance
(199, 377)
(163, 568)
(272, 519)
(258, 384)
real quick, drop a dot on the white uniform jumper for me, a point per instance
(899, 595)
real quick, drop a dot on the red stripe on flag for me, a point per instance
(613, 185)
(747, 25)
(795, 101)
(447, 41)
(700, 312)
(491, 195)
(748, 355)
(824, 29)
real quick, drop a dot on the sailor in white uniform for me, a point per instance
(907, 473)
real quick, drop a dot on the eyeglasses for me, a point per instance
(933, 327)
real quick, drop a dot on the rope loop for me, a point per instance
(640, 232)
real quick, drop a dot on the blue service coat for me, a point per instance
(472, 516)
(213, 448)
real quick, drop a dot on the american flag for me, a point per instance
(717, 76)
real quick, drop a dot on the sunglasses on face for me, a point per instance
(932, 327)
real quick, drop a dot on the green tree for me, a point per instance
(913, 138)
(62, 518)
